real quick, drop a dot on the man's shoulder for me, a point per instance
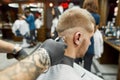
(66, 72)
(85, 75)
(60, 72)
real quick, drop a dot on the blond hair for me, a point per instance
(75, 17)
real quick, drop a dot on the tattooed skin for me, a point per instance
(29, 68)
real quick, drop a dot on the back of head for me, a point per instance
(20, 15)
(91, 5)
(75, 17)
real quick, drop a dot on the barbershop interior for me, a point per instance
(105, 62)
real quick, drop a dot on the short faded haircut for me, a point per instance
(75, 17)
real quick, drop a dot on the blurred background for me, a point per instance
(107, 66)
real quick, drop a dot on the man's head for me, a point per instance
(76, 26)
(27, 11)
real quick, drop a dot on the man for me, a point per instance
(21, 28)
(31, 21)
(31, 67)
(75, 26)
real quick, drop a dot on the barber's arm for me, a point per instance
(31, 67)
(7, 47)
(12, 50)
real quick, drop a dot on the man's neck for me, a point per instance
(69, 57)
(70, 53)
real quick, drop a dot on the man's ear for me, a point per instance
(77, 38)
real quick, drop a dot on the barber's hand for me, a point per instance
(55, 50)
(21, 54)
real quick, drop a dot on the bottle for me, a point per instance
(107, 28)
(118, 33)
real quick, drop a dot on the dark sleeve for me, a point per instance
(28, 19)
(97, 19)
